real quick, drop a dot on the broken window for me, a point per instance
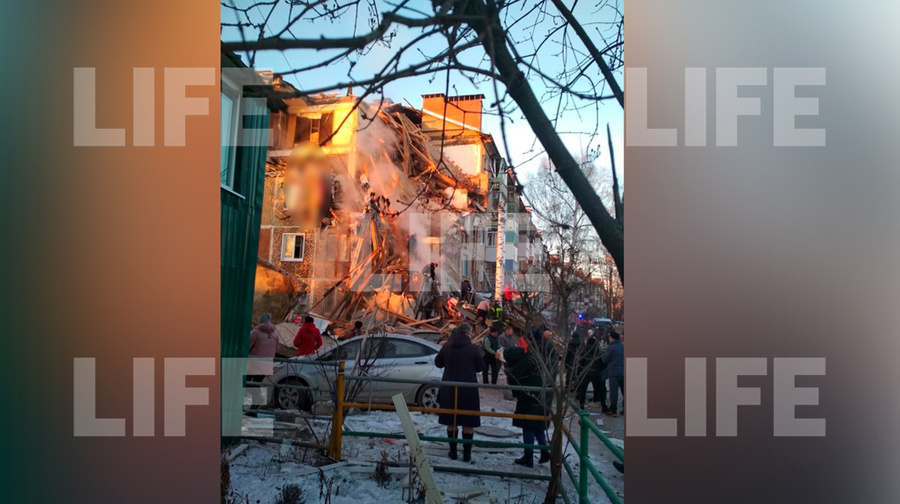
(326, 128)
(292, 246)
(344, 248)
(303, 129)
(314, 129)
(286, 196)
(337, 247)
(278, 123)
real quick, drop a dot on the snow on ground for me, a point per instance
(260, 472)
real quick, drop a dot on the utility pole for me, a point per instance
(499, 242)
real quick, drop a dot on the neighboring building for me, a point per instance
(243, 162)
(455, 122)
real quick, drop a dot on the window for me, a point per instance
(347, 351)
(285, 195)
(491, 238)
(292, 246)
(230, 106)
(376, 348)
(314, 129)
(344, 248)
(337, 247)
(399, 349)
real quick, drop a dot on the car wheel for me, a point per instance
(428, 396)
(290, 398)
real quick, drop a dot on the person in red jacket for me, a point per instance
(308, 338)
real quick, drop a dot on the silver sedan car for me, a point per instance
(312, 378)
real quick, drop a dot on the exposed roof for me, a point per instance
(455, 98)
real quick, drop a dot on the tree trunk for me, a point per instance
(556, 461)
(493, 37)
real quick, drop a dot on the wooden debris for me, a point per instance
(419, 322)
(237, 452)
(412, 437)
(464, 493)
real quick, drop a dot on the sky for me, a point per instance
(525, 152)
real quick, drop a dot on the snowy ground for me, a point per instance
(261, 470)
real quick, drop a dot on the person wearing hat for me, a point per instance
(263, 345)
(461, 361)
(308, 338)
(263, 341)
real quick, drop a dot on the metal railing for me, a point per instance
(337, 425)
(582, 446)
(586, 427)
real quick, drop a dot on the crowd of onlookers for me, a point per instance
(529, 362)
(536, 361)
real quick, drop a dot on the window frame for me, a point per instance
(341, 351)
(285, 194)
(284, 239)
(232, 92)
(423, 350)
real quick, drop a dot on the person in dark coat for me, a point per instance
(465, 289)
(522, 369)
(594, 367)
(614, 357)
(573, 357)
(543, 343)
(461, 361)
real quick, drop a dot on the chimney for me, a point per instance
(463, 113)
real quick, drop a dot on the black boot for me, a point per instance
(467, 448)
(526, 460)
(452, 435)
(545, 457)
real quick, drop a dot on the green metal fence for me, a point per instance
(585, 466)
(587, 470)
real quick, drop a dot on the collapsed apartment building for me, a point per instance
(361, 198)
